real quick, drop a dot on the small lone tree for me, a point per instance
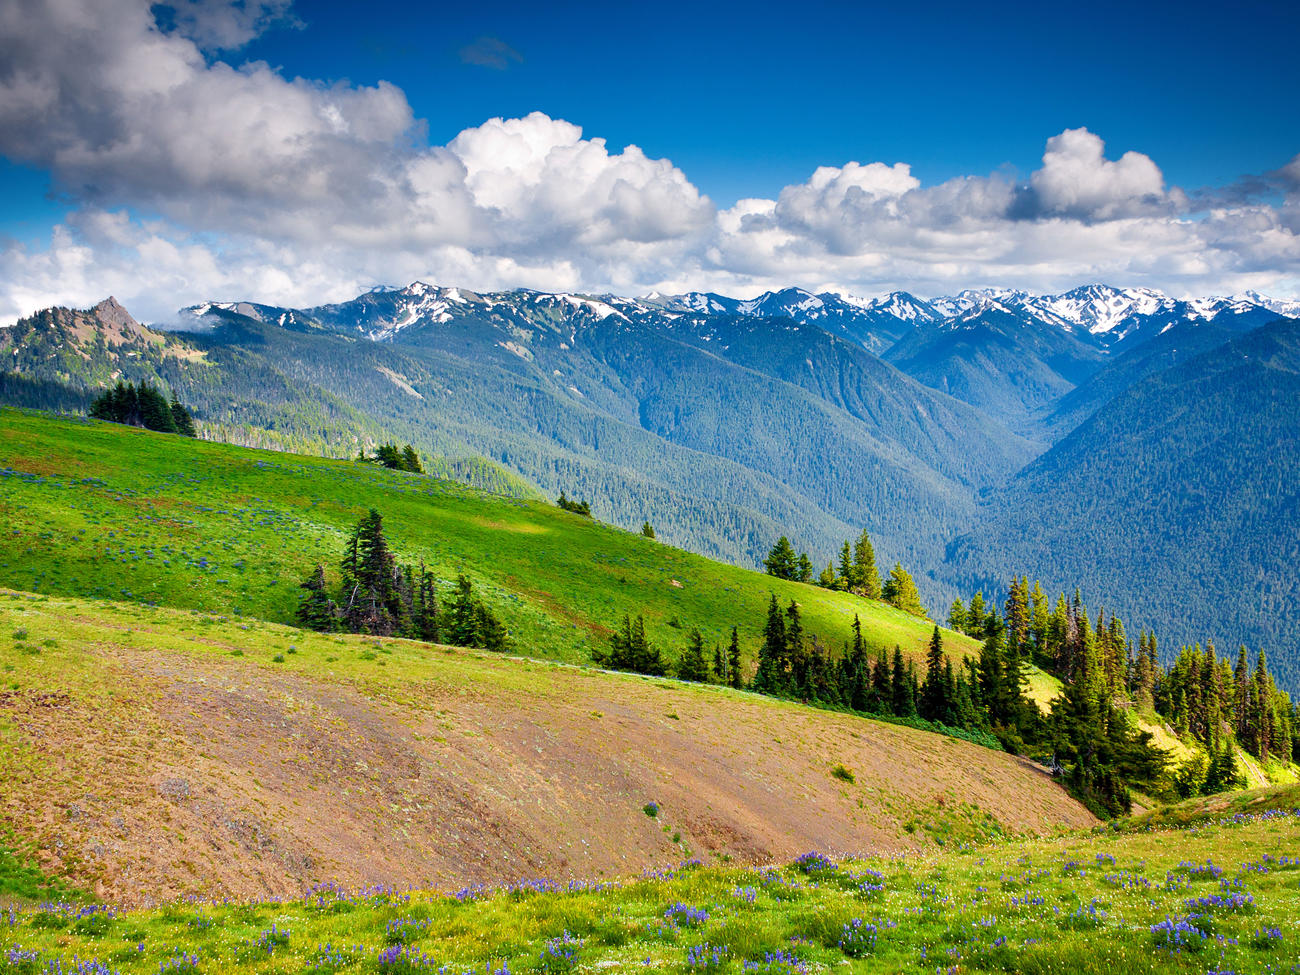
(781, 561)
(734, 677)
(900, 591)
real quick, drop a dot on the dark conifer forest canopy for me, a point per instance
(143, 406)
(378, 596)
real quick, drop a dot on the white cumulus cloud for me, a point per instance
(196, 175)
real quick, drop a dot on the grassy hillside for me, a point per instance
(1192, 812)
(149, 752)
(97, 509)
(725, 434)
(1109, 904)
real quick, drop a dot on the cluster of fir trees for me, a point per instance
(577, 507)
(1203, 695)
(792, 665)
(630, 649)
(856, 573)
(377, 596)
(1199, 694)
(394, 458)
(143, 406)
(1095, 744)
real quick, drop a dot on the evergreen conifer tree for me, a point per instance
(425, 614)
(317, 611)
(864, 567)
(904, 702)
(181, 418)
(781, 561)
(411, 460)
(796, 656)
(770, 678)
(881, 700)
(957, 616)
(734, 675)
(691, 665)
(975, 617)
(804, 568)
(461, 628)
(848, 579)
(900, 592)
(933, 703)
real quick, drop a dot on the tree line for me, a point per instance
(855, 572)
(378, 596)
(143, 406)
(388, 455)
(1089, 734)
(576, 507)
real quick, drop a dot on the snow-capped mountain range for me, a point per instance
(1105, 317)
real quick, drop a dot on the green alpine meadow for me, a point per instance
(251, 723)
(589, 489)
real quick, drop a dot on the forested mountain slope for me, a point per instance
(1005, 364)
(1178, 501)
(1178, 343)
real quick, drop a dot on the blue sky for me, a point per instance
(749, 98)
(296, 151)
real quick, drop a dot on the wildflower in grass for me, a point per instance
(268, 941)
(327, 959)
(778, 962)
(870, 883)
(1028, 900)
(1084, 918)
(747, 894)
(858, 938)
(560, 954)
(396, 959)
(21, 961)
(1179, 934)
(471, 893)
(1199, 871)
(685, 916)
(1236, 903)
(706, 957)
(813, 863)
(403, 930)
(181, 962)
(1265, 938)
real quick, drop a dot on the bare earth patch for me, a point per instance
(159, 765)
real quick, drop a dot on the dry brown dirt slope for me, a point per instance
(150, 754)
